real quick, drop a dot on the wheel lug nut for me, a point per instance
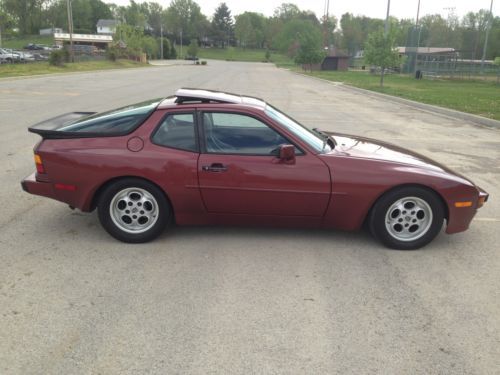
(134, 216)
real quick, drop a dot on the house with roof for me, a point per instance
(107, 27)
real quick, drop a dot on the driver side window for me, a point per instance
(233, 133)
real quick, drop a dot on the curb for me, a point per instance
(477, 120)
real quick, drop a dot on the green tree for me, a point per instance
(86, 13)
(185, 16)
(27, 14)
(287, 41)
(6, 25)
(250, 30)
(193, 48)
(166, 49)
(309, 51)
(328, 28)
(222, 25)
(135, 40)
(380, 51)
(287, 11)
(153, 13)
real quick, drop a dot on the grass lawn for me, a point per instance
(17, 70)
(243, 54)
(477, 97)
(19, 43)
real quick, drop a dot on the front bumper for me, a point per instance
(460, 218)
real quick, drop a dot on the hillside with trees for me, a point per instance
(183, 21)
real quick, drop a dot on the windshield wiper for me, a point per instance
(326, 139)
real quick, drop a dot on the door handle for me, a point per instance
(214, 167)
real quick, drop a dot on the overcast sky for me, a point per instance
(371, 8)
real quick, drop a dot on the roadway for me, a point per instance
(242, 300)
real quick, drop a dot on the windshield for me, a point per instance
(118, 121)
(314, 140)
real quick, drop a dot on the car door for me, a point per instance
(239, 170)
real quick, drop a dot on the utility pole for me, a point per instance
(386, 32)
(161, 42)
(418, 38)
(488, 27)
(70, 27)
(181, 44)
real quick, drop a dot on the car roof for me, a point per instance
(202, 96)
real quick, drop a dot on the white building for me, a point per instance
(107, 26)
(51, 31)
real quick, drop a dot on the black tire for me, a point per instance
(133, 210)
(398, 225)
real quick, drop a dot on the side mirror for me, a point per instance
(287, 154)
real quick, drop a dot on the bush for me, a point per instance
(203, 62)
(193, 48)
(268, 55)
(173, 52)
(59, 57)
(167, 47)
(112, 54)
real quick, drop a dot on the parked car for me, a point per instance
(40, 57)
(33, 47)
(206, 157)
(25, 57)
(9, 56)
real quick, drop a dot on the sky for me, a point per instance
(370, 8)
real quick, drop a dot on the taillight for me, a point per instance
(39, 164)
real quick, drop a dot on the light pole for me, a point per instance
(70, 27)
(386, 31)
(181, 44)
(161, 42)
(488, 27)
(418, 39)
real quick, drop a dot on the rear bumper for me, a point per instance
(32, 186)
(53, 190)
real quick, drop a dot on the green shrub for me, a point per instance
(173, 52)
(59, 57)
(112, 54)
(203, 62)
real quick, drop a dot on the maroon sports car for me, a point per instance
(206, 157)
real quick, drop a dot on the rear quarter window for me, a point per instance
(115, 122)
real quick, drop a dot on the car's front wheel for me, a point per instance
(133, 210)
(407, 218)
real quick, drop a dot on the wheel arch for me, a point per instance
(408, 185)
(94, 199)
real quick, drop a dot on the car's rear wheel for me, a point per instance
(133, 210)
(407, 218)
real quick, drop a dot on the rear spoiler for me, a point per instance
(48, 129)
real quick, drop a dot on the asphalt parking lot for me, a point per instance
(242, 300)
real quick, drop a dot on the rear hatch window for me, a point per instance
(119, 121)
